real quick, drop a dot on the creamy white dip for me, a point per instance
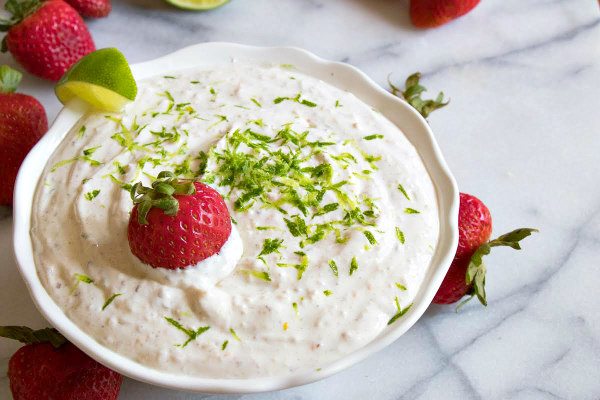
(267, 316)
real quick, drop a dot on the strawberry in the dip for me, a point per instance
(177, 223)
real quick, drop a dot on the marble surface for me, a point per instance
(522, 132)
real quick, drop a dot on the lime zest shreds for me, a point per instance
(289, 172)
(409, 210)
(235, 335)
(373, 137)
(400, 235)
(403, 191)
(221, 118)
(256, 102)
(83, 278)
(192, 334)
(338, 104)
(266, 228)
(401, 286)
(263, 275)
(79, 278)
(333, 267)
(270, 246)
(295, 307)
(353, 265)
(296, 99)
(370, 237)
(327, 293)
(224, 345)
(92, 194)
(102, 78)
(85, 156)
(81, 131)
(400, 311)
(301, 267)
(110, 300)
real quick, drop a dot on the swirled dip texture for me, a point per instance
(334, 214)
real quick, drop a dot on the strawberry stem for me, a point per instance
(160, 195)
(475, 276)
(27, 335)
(9, 79)
(412, 95)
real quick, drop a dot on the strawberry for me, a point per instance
(45, 37)
(176, 223)
(466, 275)
(22, 123)
(433, 13)
(49, 367)
(91, 8)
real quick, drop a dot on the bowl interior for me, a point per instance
(340, 75)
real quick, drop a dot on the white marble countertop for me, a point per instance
(522, 132)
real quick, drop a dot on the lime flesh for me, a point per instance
(198, 5)
(102, 78)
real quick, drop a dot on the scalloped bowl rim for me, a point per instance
(341, 75)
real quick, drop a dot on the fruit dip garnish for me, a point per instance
(333, 222)
(176, 223)
(102, 79)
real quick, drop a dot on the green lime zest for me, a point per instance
(192, 334)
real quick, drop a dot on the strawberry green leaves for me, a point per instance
(160, 195)
(9, 79)
(412, 95)
(27, 335)
(476, 270)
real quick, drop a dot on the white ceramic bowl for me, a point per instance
(340, 75)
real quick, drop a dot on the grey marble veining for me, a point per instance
(522, 132)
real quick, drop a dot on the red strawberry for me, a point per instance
(22, 123)
(467, 271)
(49, 367)
(45, 37)
(175, 223)
(433, 13)
(474, 224)
(91, 8)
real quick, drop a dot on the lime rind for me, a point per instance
(197, 5)
(98, 96)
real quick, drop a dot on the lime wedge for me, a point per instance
(198, 5)
(102, 78)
